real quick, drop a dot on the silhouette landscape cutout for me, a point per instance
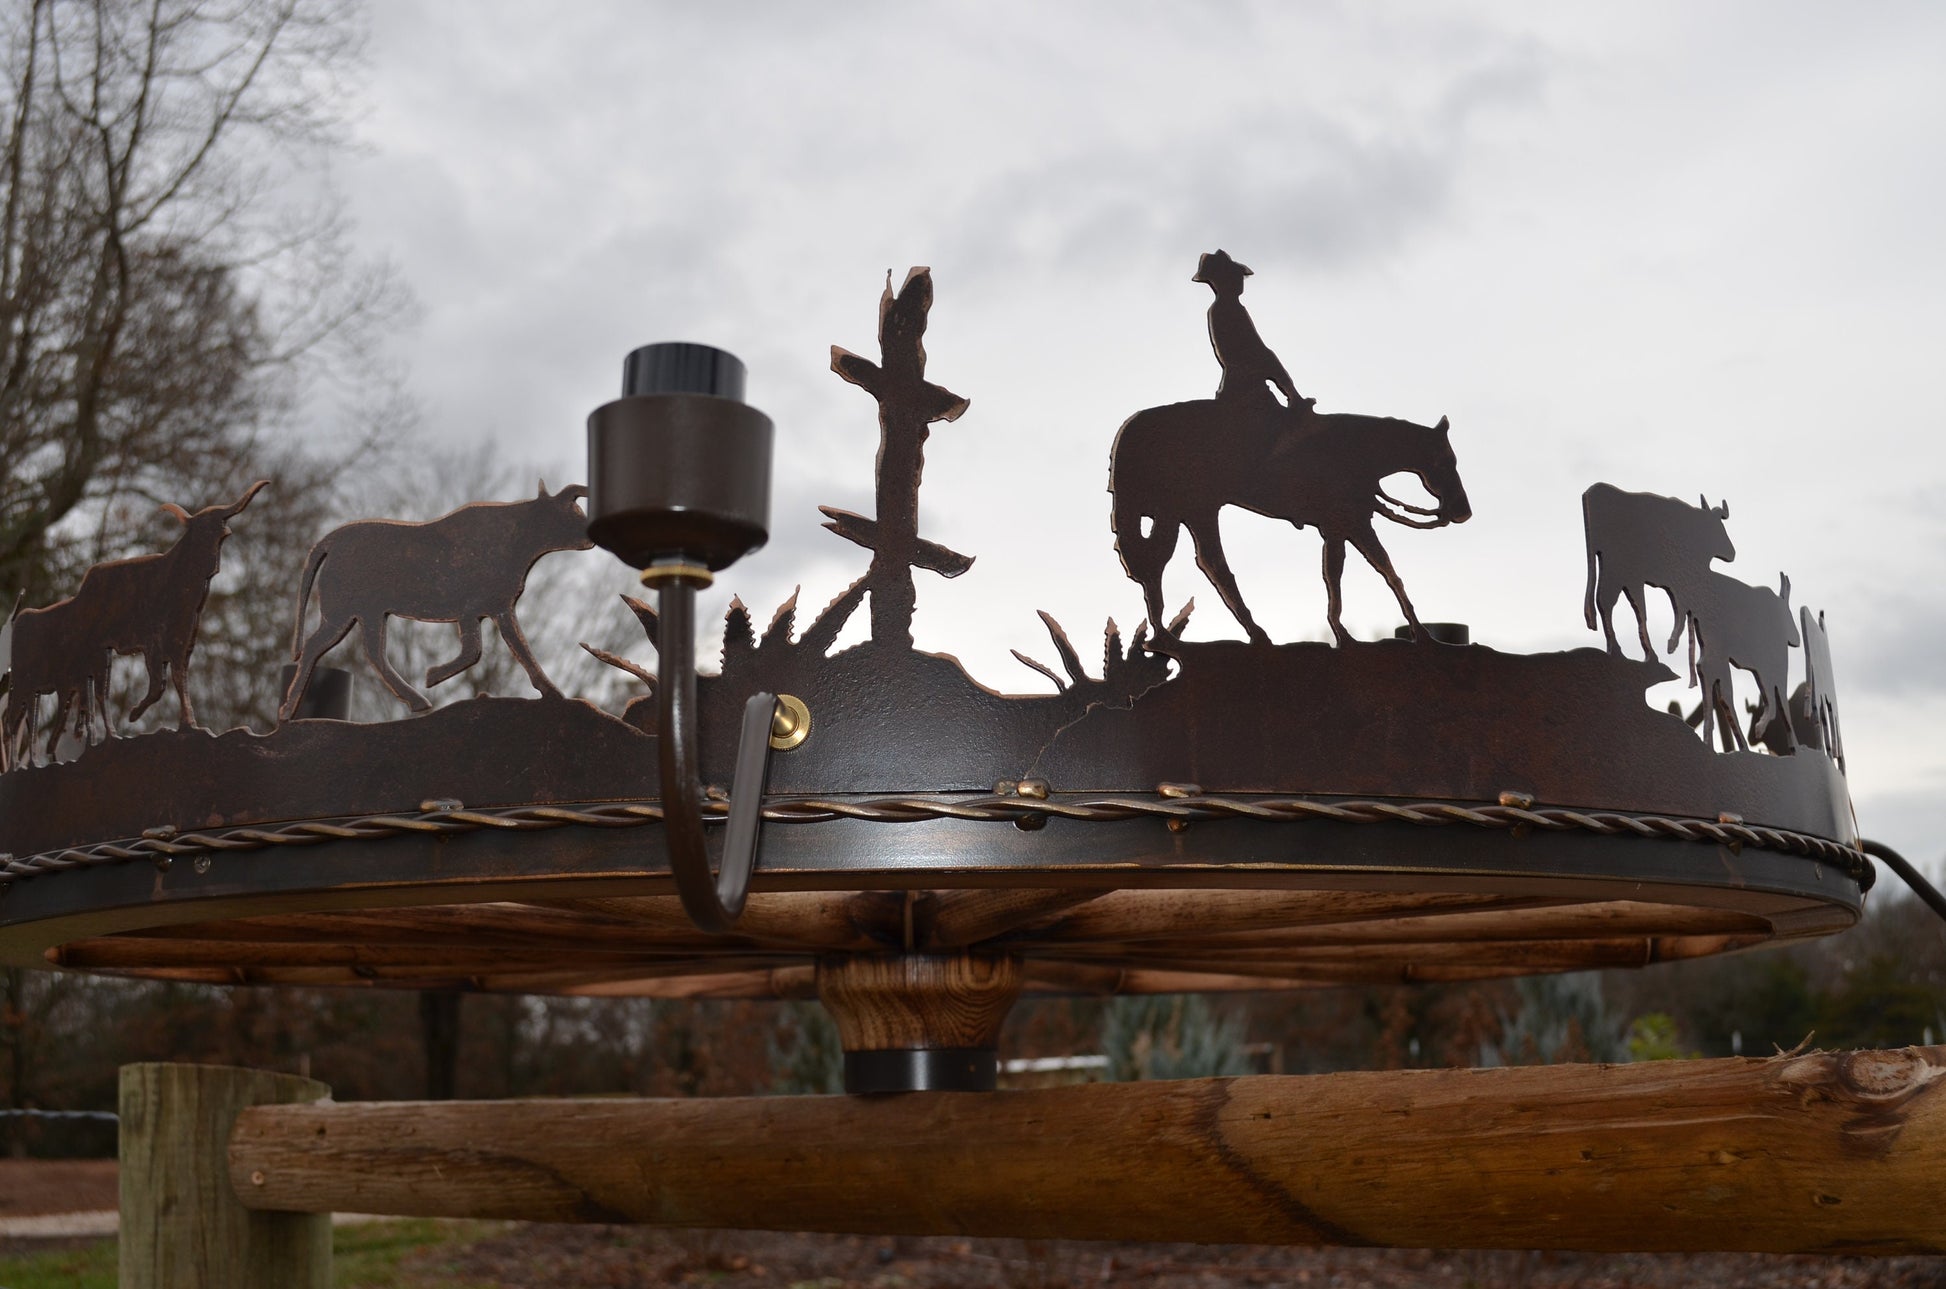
(1233, 716)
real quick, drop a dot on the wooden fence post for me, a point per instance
(181, 1223)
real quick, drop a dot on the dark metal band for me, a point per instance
(924, 1069)
(161, 845)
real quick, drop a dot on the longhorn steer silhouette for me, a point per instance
(148, 604)
(463, 568)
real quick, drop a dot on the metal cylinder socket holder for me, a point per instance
(679, 466)
(679, 486)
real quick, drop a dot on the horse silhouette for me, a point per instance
(462, 568)
(1177, 466)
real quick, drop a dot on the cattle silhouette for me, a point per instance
(1818, 721)
(1639, 539)
(149, 605)
(1734, 624)
(77, 679)
(464, 568)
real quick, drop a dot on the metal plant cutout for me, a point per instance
(464, 568)
(1177, 466)
(147, 604)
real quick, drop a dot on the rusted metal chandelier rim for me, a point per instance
(163, 845)
(1478, 770)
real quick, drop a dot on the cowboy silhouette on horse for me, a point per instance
(1248, 363)
(1325, 471)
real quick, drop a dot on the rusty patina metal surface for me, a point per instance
(1228, 740)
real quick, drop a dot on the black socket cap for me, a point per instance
(678, 367)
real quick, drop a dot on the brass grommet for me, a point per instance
(694, 574)
(790, 724)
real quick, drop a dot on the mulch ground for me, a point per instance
(528, 1257)
(33, 1186)
(521, 1256)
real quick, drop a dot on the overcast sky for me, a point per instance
(1680, 248)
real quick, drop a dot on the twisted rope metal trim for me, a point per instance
(162, 845)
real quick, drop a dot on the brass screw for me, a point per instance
(790, 724)
(257, 1177)
(202, 864)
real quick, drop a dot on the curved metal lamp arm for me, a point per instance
(1898, 863)
(713, 902)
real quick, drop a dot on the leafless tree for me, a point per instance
(175, 285)
(175, 279)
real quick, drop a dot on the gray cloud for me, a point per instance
(1611, 244)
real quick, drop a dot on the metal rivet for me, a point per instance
(202, 863)
(1179, 790)
(1031, 823)
(435, 805)
(1034, 788)
(1729, 817)
(1178, 825)
(163, 863)
(257, 1177)
(790, 724)
(1517, 800)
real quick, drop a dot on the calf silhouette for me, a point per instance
(1734, 624)
(77, 678)
(1639, 539)
(1820, 713)
(462, 568)
(148, 604)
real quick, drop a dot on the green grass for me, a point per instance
(91, 1266)
(365, 1256)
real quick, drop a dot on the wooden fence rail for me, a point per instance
(1825, 1152)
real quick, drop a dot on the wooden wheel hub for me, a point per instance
(911, 1022)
